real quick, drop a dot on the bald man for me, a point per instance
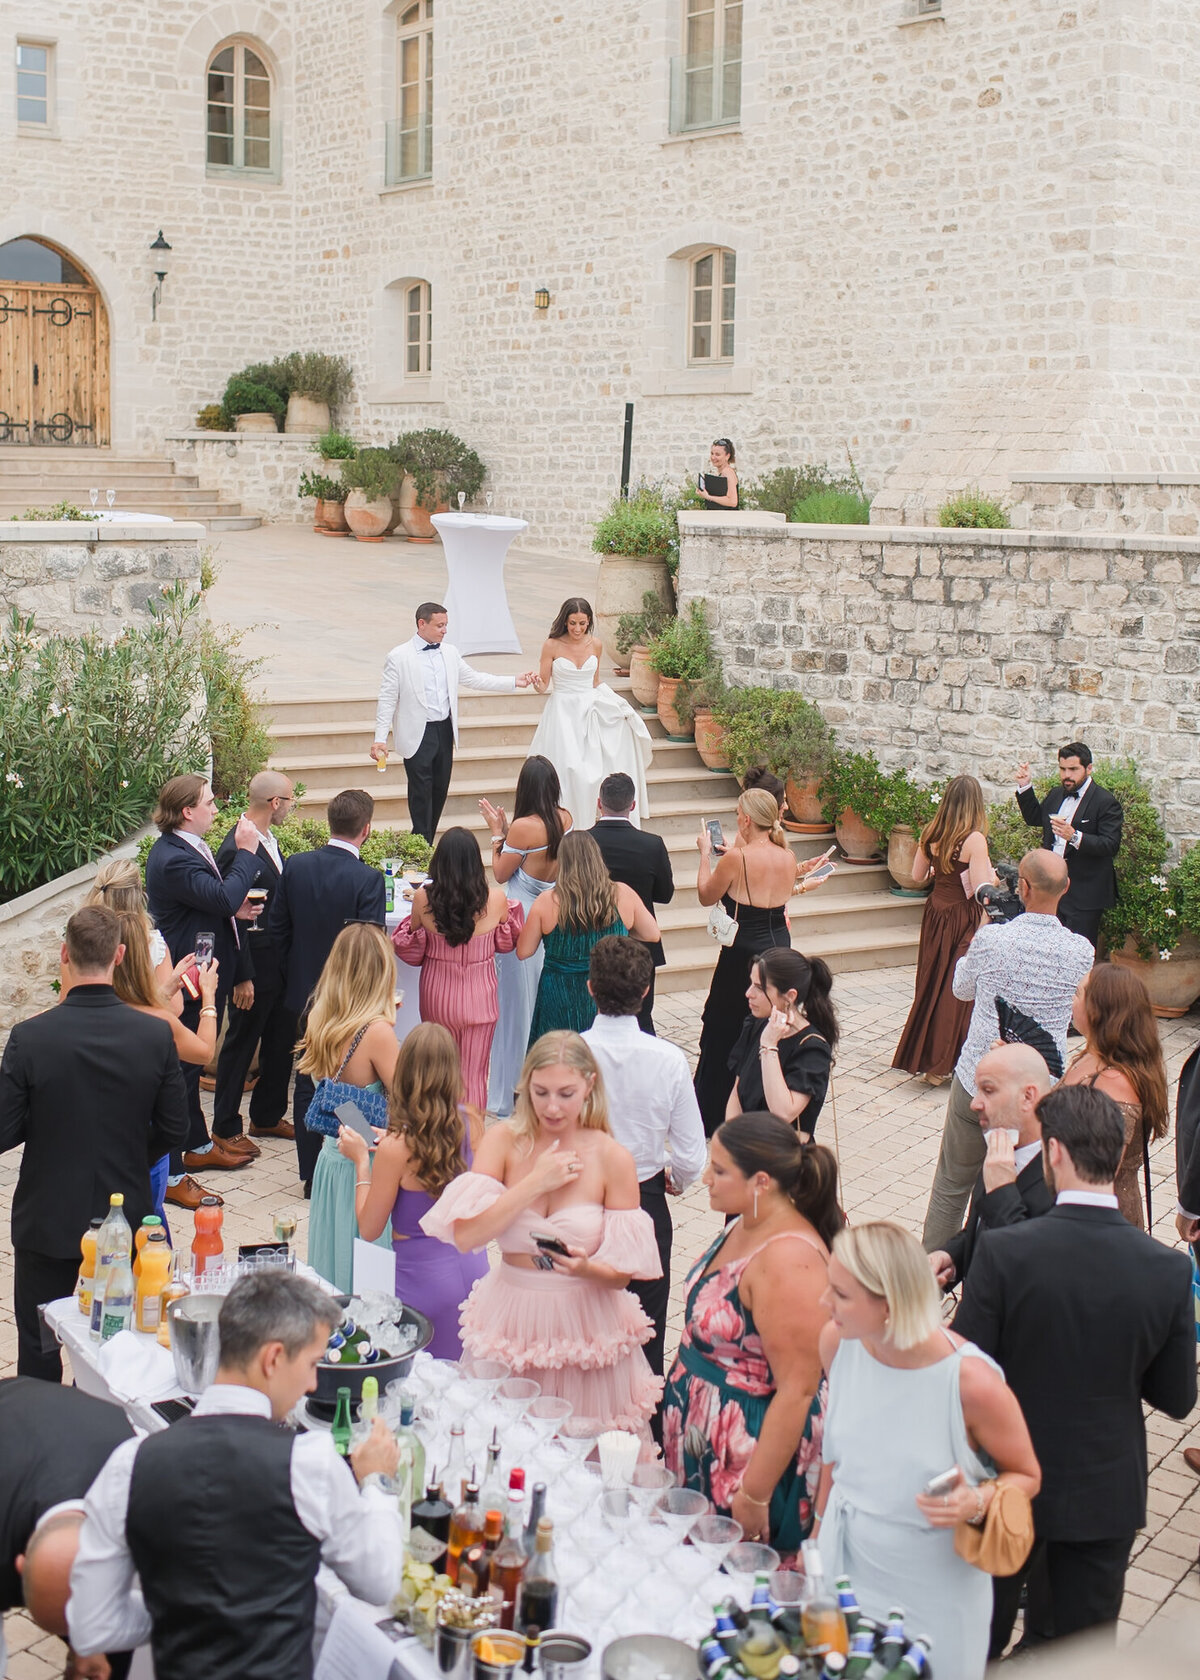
(1009, 1083)
(1035, 964)
(257, 1017)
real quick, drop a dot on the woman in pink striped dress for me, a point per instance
(457, 927)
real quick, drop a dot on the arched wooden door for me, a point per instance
(53, 349)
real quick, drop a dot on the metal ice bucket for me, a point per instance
(195, 1341)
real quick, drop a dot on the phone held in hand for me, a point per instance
(352, 1116)
(716, 837)
(939, 1486)
(547, 1246)
(204, 948)
(821, 873)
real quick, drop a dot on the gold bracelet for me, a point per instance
(763, 1504)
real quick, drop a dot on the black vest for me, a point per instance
(228, 1569)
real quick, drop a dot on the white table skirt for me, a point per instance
(476, 601)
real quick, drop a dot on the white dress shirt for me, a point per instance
(432, 666)
(199, 844)
(1066, 811)
(1086, 1198)
(1026, 1153)
(361, 1536)
(272, 845)
(346, 845)
(652, 1106)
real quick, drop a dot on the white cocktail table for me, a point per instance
(475, 546)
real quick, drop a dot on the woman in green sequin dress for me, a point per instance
(584, 906)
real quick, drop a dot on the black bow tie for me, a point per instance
(430, 647)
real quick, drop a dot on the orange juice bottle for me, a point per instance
(153, 1276)
(208, 1249)
(87, 1271)
(151, 1223)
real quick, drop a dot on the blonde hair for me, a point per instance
(134, 979)
(762, 809)
(118, 886)
(423, 1106)
(961, 812)
(357, 986)
(890, 1263)
(560, 1049)
(587, 898)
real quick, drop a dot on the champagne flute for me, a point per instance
(488, 499)
(462, 500)
(95, 496)
(110, 497)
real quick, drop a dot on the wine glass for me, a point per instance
(95, 496)
(110, 497)
(488, 499)
(285, 1224)
(462, 500)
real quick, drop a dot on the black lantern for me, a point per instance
(159, 250)
(541, 298)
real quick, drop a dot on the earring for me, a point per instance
(756, 1203)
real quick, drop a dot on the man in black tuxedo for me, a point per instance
(57, 1441)
(259, 1016)
(188, 895)
(318, 893)
(1088, 1317)
(1009, 1084)
(1187, 1175)
(1082, 822)
(638, 859)
(93, 1090)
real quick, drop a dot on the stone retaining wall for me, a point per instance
(1162, 506)
(77, 576)
(257, 469)
(951, 651)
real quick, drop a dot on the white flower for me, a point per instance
(1164, 956)
(14, 779)
(1158, 880)
(55, 711)
(126, 784)
(1167, 911)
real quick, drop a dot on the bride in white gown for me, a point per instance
(586, 731)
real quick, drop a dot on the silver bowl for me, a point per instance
(195, 1340)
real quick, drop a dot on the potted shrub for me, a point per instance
(782, 731)
(906, 807)
(634, 539)
(681, 655)
(705, 698)
(251, 405)
(212, 418)
(635, 632)
(333, 445)
(852, 798)
(330, 495)
(436, 466)
(315, 383)
(370, 478)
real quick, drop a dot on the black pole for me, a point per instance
(626, 451)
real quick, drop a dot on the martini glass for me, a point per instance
(648, 1483)
(546, 1414)
(579, 1435)
(679, 1509)
(483, 1376)
(713, 1536)
(514, 1394)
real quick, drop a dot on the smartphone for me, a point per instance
(939, 1485)
(170, 1411)
(552, 1245)
(822, 872)
(829, 853)
(715, 836)
(204, 948)
(351, 1115)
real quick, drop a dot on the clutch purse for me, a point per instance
(1002, 1542)
(330, 1094)
(721, 925)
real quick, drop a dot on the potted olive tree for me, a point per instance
(315, 383)
(436, 467)
(853, 792)
(370, 478)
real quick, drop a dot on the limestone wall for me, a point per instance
(953, 651)
(1163, 506)
(77, 576)
(259, 471)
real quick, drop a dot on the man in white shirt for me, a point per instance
(206, 1538)
(1034, 963)
(652, 1106)
(418, 704)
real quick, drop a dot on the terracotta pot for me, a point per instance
(368, 520)
(860, 843)
(805, 806)
(623, 580)
(902, 848)
(331, 519)
(710, 740)
(643, 679)
(416, 519)
(670, 719)
(304, 415)
(255, 423)
(1174, 985)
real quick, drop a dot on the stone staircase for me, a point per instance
(854, 921)
(39, 477)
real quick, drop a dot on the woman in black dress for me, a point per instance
(782, 1060)
(754, 882)
(719, 486)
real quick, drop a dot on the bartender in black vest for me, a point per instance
(55, 1443)
(226, 1516)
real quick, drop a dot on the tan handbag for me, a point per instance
(1002, 1542)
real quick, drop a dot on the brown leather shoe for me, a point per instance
(188, 1194)
(284, 1129)
(238, 1145)
(216, 1159)
(1191, 1457)
(208, 1082)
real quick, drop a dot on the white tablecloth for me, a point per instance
(130, 1371)
(475, 546)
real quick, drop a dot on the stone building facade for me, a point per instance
(963, 235)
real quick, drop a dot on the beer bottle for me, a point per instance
(834, 1667)
(914, 1662)
(760, 1647)
(847, 1603)
(894, 1642)
(725, 1625)
(861, 1656)
(341, 1423)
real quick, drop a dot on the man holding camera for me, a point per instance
(1081, 822)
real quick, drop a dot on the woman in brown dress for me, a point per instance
(953, 850)
(1122, 1056)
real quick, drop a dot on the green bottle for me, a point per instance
(341, 1423)
(412, 1451)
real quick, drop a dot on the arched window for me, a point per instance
(239, 109)
(418, 328)
(711, 306)
(410, 150)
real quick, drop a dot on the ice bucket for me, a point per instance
(195, 1342)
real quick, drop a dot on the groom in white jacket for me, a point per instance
(418, 703)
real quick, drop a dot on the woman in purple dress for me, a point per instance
(431, 1138)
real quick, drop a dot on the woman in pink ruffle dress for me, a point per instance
(555, 1170)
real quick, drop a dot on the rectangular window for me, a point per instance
(706, 79)
(409, 150)
(713, 294)
(35, 83)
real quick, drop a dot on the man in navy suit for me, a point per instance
(318, 893)
(188, 895)
(1082, 822)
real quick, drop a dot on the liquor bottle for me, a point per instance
(847, 1603)
(412, 1450)
(914, 1662)
(822, 1623)
(118, 1298)
(894, 1642)
(341, 1423)
(861, 1656)
(466, 1529)
(475, 1565)
(430, 1530)
(456, 1471)
(537, 1510)
(509, 1562)
(493, 1490)
(85, 1287)
(537, 1606)
(140, 1238)
(175, 1290)
(533, 1641)
(113, 1240)
(153, 1277)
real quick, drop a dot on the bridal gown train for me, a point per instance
(588, 733)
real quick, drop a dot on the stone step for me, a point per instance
(16, 460)
(473, 759)
(358, 710)
(849, 951)
(35, 477)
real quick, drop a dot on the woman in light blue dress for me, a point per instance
(909, 1401)
(525, 863)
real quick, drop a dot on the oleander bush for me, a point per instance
(780, 490)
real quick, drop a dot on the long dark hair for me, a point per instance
(573, 604)
(457, 889)
(810, 979)
(539, 795)
(805, 1172)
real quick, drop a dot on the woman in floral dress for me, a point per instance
(744, 1401)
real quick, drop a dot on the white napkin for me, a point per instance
(136, 1368)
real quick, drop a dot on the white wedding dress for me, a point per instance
(588, 733)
